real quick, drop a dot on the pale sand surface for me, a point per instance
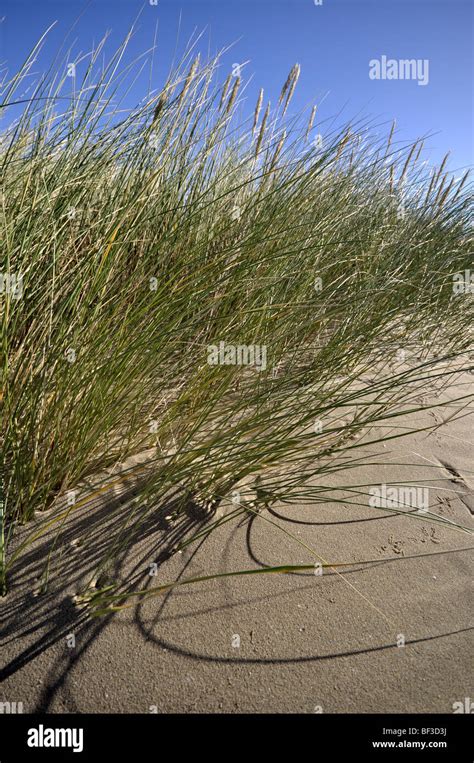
(306, 641)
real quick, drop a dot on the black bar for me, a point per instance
(304, 737)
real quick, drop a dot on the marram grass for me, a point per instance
(135, 242)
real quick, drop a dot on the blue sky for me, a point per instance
(332, 42)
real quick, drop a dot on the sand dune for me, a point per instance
(265, 643)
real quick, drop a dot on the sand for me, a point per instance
(266, 643)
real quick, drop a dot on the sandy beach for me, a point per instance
(306, 642)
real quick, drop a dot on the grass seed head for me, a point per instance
(289, 86)
(311, 121)
(262, 130)
(233, 95)
(257, 110)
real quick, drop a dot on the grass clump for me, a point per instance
(140, 240)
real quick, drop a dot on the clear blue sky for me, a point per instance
(333, 43)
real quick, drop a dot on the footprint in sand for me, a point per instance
(463, 490)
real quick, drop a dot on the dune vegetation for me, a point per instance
(232, 289)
